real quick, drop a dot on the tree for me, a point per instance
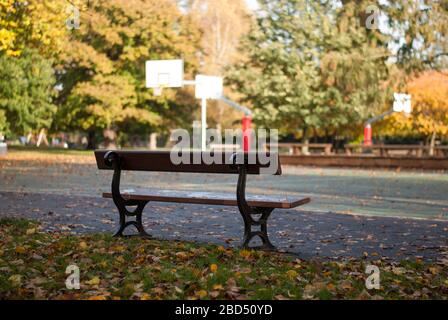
(223, 23)
(311, 68)
(37, 24)
(26, 92)
(419, 30)
(416, 32)
(103, 72)
(353, 69)
(430, 108)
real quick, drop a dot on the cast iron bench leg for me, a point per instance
(250, 222)
(247, 212)
(112, 159)
(124, 212)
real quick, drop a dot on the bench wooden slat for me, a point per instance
(161, 161)
(195, 197)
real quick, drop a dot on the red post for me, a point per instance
(247, 123)
(368, 135)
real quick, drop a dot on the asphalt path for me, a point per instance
(354, 212)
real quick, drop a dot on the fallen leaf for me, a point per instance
(97, 298)
(201, 294)
(434, 270)
(398, 271)
(178, 290)
(16, 280)
(364, 295)
(145, 296)
(118, 248)
(345, 285)
(94, 281)
(182, 255)
(20, 249)
(30, 231)
(292, 274)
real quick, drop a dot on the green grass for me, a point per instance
(33, 265)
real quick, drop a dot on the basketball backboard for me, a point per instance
(208, 87)
(402, 103)
(164, 74)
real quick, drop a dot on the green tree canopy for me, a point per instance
(330, 65)
(26, 93)
(310, 66)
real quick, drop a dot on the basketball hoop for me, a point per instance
(402, 103)
(170, 74)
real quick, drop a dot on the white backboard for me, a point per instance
(164, 73)
(208, 87)
(402, 103)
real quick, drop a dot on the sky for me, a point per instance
(252, 4)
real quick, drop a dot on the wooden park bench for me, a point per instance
(255, 210)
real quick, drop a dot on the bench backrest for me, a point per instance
(161, 161)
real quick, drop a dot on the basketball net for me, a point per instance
(158, 91)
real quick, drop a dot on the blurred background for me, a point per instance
(72, 72)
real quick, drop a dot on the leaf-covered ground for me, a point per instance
(33, 266)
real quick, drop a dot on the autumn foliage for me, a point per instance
(429, 116)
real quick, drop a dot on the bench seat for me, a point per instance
(210, 198)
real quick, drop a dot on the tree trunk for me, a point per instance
(305, 141)
(432, 144)
(91, 141)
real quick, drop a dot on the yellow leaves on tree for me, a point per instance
(8, 24)
(430, 107)
(33, 23)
